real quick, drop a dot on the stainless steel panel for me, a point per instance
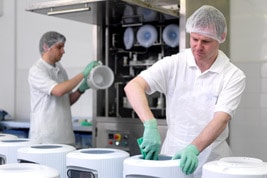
(87, 11)
(129, 129)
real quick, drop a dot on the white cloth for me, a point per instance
(50, 120)
(192, 98)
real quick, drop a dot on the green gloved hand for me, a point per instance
(189, 160)
(151, 140)
(88, 68)
(83, 86)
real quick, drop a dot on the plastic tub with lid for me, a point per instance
(165, 167)
(235, 167)
(27, 170)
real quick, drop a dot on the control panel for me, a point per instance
(118, 139)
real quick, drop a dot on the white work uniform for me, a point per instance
(50, 120)
(192, 98)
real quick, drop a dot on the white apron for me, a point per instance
(191, 112)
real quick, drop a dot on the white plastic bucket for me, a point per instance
(27, 170)
(100, 162)
(235, 167)
(165, 167)
(101, 77)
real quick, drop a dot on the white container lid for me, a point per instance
(147, 35)
(27, 170)
(52, 155)
(128, 13)
(235, 167)
(105, 162)
(147, 14)
(9, 147)
(4, 136)
(83, 156)
(46, 148)
(171, 35)
(15, 142)
(128, 38)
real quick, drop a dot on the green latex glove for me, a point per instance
(83, 86)
(139, 142)
(151, 140)
(189, 160)
(88, 68)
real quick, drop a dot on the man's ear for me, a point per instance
(45, 47)
(223, 36)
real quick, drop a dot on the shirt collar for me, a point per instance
(216, 67)
(49, 66)
(219, 63)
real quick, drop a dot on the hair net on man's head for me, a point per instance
(208, 21)
(49, 39)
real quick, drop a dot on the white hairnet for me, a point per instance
(49, 39)
(208, 21)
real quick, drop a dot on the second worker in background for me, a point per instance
(51, 93)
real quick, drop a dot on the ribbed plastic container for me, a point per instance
(100, 162)
(165, 167)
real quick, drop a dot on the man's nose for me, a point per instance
(199, 45)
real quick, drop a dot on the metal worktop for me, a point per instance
(25, 124)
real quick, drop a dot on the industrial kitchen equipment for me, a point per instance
(131, 36)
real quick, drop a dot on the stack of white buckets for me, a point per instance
(113, 163)
(10, 166)
(27, 160)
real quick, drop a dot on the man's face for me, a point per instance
(203, 48)
(56, 52)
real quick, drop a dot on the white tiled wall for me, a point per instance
(249, 126)
(248, 50)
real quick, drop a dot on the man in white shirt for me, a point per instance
(202, 89)
(51, 93)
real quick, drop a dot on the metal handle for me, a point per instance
(68, 11)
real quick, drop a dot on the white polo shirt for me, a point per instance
(50, 115)
(192, 98)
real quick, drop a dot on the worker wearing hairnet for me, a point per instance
(202, 89)
(51, 93)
